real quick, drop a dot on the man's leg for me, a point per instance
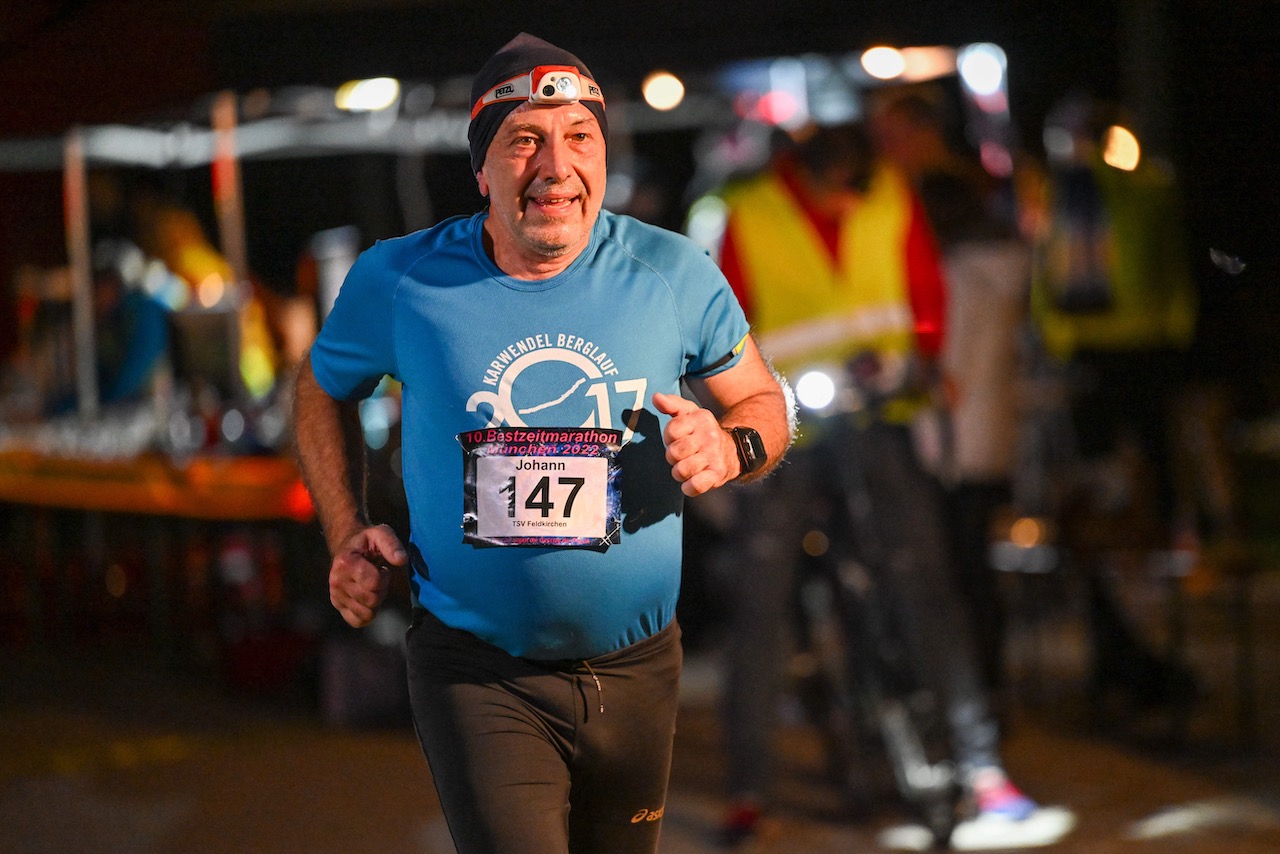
(498, 760)
(971, 506)
(621, 759)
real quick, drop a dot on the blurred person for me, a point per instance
(831, 256)
(542, 334)
(173, 233)
(986, 264)
(131, 333)
(1115, 304)
(131, 325)
(137, 209)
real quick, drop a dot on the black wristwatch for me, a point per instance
(751, 453)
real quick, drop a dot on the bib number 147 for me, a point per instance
(541, 496)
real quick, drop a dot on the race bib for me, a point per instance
(541, 486)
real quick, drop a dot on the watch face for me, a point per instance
(751, 452)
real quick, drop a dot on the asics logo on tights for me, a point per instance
(648, 815)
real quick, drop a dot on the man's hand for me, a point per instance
(701, 453)
(358, 576)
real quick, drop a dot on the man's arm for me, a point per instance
(330, 450)
(702, 454)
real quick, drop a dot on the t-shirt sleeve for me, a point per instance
(713, 320)
(355, 347)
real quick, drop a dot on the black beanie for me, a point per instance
(523, 53)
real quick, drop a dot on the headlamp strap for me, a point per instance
(520, 88)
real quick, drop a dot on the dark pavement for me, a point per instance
(107, 749)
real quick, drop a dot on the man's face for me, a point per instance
(544, 174)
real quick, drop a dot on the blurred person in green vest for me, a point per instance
(1115, 304)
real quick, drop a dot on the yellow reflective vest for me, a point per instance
(807, 309)
(1139, 252)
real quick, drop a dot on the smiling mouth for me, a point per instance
(553, 204)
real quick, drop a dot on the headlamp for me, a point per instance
(546, 84)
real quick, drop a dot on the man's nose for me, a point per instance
(556, 161)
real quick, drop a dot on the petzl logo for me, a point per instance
(503, 91)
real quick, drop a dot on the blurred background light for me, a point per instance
(375, 93)
(926, 63)
(211, 290)
(663, 90)
(1027, 532)
(883, 63)
(706, 221)
(996, 159)
(233, 425)
(1120, 148)
(982, 68)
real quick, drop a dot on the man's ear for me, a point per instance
(482, 184)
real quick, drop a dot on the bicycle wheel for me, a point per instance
(928, 786)
(906, 715)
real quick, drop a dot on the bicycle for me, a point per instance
(860, 679)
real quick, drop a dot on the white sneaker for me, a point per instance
(1044, 826)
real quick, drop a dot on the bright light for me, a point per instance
(883, 63)
(663, 90)
(211, 290)
(1027, 532)
(376, 93)
(982, 68)
(815, 390)
(1120, 149)
(926, 63)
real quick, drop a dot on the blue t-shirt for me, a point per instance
(638, 310)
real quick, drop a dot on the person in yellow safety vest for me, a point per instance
(1115, 302)
(831, 256)
(1112, 271)
(850, 284)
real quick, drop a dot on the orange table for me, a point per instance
(206, 487)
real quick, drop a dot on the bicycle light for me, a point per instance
(815, 390)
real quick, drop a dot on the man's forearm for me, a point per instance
(751, 394)
(769, 413)
(330, 452)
